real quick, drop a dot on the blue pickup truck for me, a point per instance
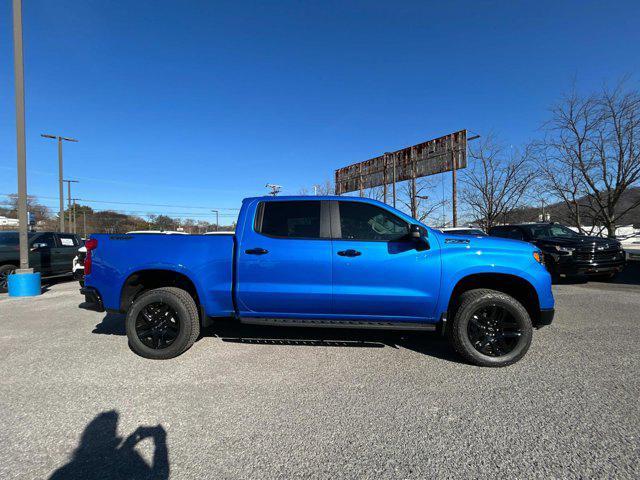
(340, 262)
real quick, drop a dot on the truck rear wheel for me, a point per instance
(490, 328)
(162, 323)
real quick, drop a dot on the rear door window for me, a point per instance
(290, 219)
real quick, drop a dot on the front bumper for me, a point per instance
(92, 299)
(590, 268)
(569, 265)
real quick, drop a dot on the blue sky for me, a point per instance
(203, 102)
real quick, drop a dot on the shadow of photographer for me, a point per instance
(101, 454)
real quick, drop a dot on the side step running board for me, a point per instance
(302, 322)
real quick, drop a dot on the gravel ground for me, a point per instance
(250, 402)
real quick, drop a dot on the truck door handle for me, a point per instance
(349, 253)
(256, 251)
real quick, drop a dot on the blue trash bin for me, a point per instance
(24, 284)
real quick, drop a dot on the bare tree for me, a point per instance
(591, 154)
(324, 188)
(425, 206)
(40, 211)
(496, 181)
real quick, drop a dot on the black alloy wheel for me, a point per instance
(157, 325)
(493, 331)
(162, 323)
(490, 328)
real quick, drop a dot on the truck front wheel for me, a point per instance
(162, 323)
(490, 328)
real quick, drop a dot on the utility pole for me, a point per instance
(18, 67)
(60, 177)
(69, 182)
(84, 224)
(275, 189)
(217, 218)
(75, 229)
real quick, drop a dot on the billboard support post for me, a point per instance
(454, 190)
(414, 202)
(384, 177)
(394, 181)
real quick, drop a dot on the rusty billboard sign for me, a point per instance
(435, 156)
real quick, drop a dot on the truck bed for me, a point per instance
(206, 259)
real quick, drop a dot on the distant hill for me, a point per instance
(560, 213)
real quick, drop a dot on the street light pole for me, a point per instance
(60, 177)
(18, 66)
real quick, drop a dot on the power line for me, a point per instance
(128, 203)
(147, 212)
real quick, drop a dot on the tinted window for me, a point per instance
(68, 240)
(9, 239)
(46, 238)
(509, 232)
(361, 221)
(542, 231)
(514, 233)
(291, 219)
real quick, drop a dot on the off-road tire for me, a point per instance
(5, 270)
(467, 305)
(184, 306)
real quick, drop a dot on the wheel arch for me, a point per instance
(513, 285)
(142, 281)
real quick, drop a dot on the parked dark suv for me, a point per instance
(50, 253)
(567, 252)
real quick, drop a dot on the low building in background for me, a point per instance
(8, 222)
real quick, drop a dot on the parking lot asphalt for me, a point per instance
(249, 402)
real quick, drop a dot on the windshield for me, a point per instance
(545, 231)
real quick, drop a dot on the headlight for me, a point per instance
(537, 254)
(564, 249)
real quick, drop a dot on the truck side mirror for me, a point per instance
(37, 246)
(418, 236)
